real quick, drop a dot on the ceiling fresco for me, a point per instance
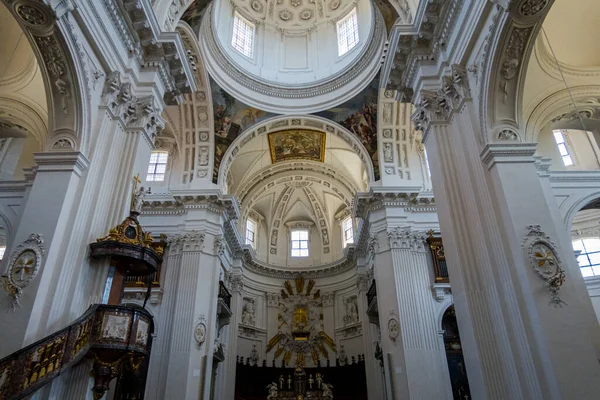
(358, 115)
(297, 144)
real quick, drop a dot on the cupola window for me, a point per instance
(250, 232)
(348, 231)
(347, 32)
(242, 38)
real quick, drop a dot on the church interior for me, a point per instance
(299, 199)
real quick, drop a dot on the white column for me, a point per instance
(418, 317)
(516, 343)
(186, 365)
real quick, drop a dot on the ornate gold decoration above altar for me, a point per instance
(544, 259)
(23, 266)
(128, 244)
(297, 144)
(300, 330)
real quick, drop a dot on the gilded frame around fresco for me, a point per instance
(272, 137)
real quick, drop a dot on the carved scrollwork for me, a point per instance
(508, 134)
(530, 8)
(545, 260)
(189, 241)
(23, 266)
(404, 238)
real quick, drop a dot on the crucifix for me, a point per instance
(136, 182)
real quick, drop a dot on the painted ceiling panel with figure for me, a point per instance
(297, 144)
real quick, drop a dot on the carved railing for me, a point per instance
(114, 336)
(137, 281)
(440, 268)
(224, 294)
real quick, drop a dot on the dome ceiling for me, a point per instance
(292, 63)
(298, 15)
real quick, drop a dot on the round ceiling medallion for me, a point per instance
(306, 14)
(334, 5)
(31, 15)
(257, 6)
(285, 15)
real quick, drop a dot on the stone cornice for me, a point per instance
(181, 201)
(423, 46)
(62, 161)
(381, 197)
(494, 154)
(162, 51)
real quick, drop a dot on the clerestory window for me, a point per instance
(562, 147)
(158, 166)
(250, 232)
(242, 38)
(347, 32)
(299, 241)
(348, 231)
(589, 256)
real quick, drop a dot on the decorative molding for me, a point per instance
(229, 73)
(438, 107)
(273, 299)
(405, 238)
(543, 257)
(200, 331)
(23, 266)
(441, 291)
(328, 298)
(519, 153)
(393, 326)
(184, 242)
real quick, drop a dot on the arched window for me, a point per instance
(157, 167)
(589, 256)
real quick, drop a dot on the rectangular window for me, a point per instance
(427, 162)
(347, 32)
(299, 243)
(157, 167)
(242, 38)
(250, 232)
(562, 148)
(348, 231)
(589, 256)
(2, 251)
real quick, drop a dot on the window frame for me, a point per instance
(342, 24)
(252, 242)
(234, 36)
(300, 241)
(567, 156)
(585, 253)
(151, 176)
(345, 229)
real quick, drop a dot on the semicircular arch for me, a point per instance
(293, 122)
(55, 45)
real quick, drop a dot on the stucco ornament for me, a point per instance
(393, 326)
(23, 266)
(200, 331)
(543, 257)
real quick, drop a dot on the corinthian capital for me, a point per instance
(188, 241)
(405, 238)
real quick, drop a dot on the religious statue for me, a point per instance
(319, 380)
(351, 316)
(327, 393)
(300, 380)
(272, 391)
(342, 356)
(138, 199)
(281, 382)
(289, 381)
(310, 381)
(248, 313)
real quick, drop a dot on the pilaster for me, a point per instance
(53, 195)
(526, 333)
